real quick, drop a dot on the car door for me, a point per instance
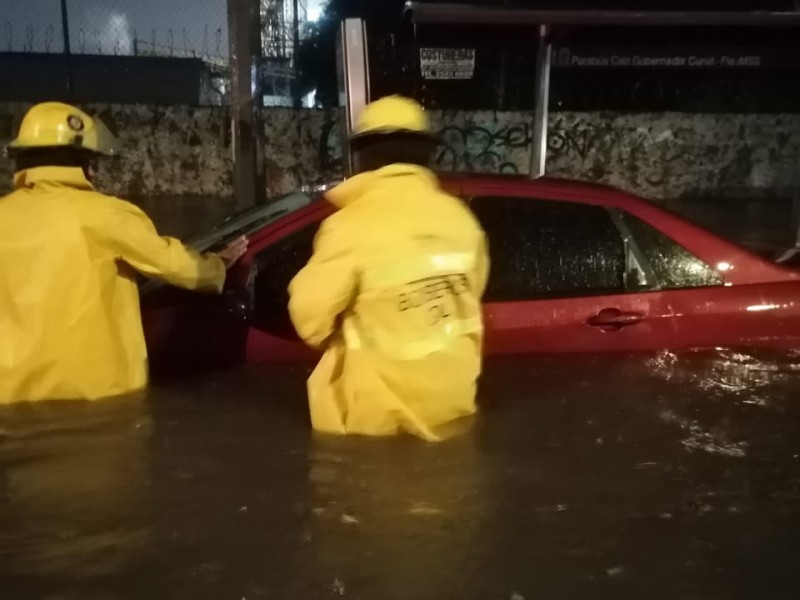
(565, 278)
(188, 332)
(272, 337)
(710, 311)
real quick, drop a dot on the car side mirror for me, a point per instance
(238, 303)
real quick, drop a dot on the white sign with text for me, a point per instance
(447, 63)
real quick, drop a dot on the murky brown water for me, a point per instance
(616, 477)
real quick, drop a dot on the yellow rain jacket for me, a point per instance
(70, 326)
(393, 294)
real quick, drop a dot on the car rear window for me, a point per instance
(546, 249)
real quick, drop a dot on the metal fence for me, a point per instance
(33, 33)
(134, 46)
(180, 28)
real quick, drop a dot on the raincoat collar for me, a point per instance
(60, 176)
(352, 189)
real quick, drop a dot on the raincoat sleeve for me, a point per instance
(131, 236)
(323, 289)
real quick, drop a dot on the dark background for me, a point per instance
(506, 59)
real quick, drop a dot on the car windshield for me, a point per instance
(245, 222)
(250, 220)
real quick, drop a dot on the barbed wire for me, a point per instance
(48, 39)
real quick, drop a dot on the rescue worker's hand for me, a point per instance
(234, 251)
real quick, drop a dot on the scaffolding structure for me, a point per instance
(281, 21)
(281, 24)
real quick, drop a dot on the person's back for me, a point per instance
(70, 326)
(393, 292)
(47, 273)
(418, 305)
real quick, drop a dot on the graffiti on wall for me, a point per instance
(166, 150)
(462, 148)
(670, 155)
(331, 146)
(185, 151)
(482, 141)
(483, 149)
(600, 149)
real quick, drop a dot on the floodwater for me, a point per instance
(658, 476)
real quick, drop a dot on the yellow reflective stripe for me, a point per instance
(352, 339)
(411, 350)
(464, 326)
(415, 269)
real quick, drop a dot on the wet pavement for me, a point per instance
(658, 476)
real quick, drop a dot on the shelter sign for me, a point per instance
(674, 58)
(447, 63)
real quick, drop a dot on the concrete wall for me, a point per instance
(175, 150)
(659, 156)
(185, 151)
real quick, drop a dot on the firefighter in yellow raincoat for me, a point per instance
(70, 326)
(393, 290)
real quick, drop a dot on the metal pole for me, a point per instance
(257, 91)
(245, 53)
(352, 64)
(67, 52)
(542, 112)
(295, 61)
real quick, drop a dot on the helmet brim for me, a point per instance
(98, 140)
(377, 133)
(107, 142)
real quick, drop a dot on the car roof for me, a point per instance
(696, 238)
(557, 185)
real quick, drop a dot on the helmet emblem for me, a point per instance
(75, 123)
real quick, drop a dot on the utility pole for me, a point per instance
(246, 100)
(295, 62)
(67, 52)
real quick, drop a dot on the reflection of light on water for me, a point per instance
(723, 375)
(663, 363)
(698, 438)
(723, 378)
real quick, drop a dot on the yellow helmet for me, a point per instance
(53, 124)
(392, 114)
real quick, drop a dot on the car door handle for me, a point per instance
(615, 319)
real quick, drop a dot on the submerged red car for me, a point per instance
(576, 267)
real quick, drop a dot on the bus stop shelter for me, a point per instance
(546, 28)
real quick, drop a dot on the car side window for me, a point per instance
(673, 265)
(275, 267)
(547, 249)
